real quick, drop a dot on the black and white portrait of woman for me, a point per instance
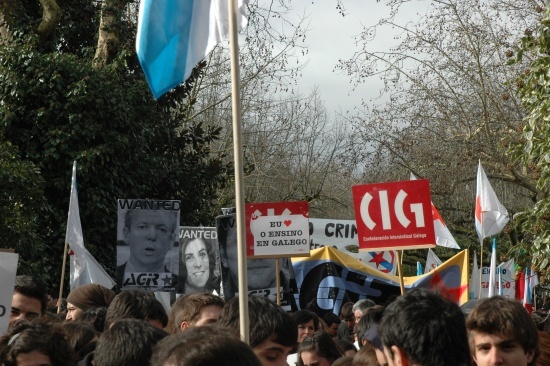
(199, 264)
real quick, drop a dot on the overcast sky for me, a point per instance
(331, 37)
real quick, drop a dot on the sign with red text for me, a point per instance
(277, 229)
(394, 215)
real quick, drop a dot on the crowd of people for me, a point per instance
(420, 328)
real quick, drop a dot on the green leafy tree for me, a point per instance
(71, 89)
(532, 145)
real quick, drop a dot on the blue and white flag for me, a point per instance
(174, 35)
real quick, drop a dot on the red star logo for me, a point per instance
(377, 258)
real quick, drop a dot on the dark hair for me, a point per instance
(322, 344)
(419, 322)
(305, 316)
(345, 311)
(204, 346)
(28, 286)
(129, 342)
(499, 315)
(345, 345)
(331, 318)
(343, 361)
(95, 317)
(372, 316)
(80, 336)
(366, 356)
(544, 345)
(188, 308)
(213, 280)
(135, 304)
(26, 337)
(266, 320)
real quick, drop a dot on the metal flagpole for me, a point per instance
(239, 171)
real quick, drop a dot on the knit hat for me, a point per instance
(91, 295)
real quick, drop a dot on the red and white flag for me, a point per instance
(84, 268)
(443, 236)
(432, 261)
(525, 284)
(490, 215)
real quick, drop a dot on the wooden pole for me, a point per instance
(401, 283)
(278, 280)
(239, 171)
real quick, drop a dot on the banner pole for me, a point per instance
(278, 280)
(239, 171)
(401, 283)
(62, 278)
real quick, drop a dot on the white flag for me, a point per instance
(432, 261)
(443, 236)
(84, 268)
(490, 215)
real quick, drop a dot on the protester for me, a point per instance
(371, 339)
(95, 317)
(332, 322)
(273, 332)
(345, 329)
(366, 356)
(318, 350)
(544, 346)
(35, 343)
(360, 308)
(308, 323)
(422, 328)
(343, 361)
(204, 346)
(128, 342)
(29, 300)
(501, 332)
(85, 297)
(149, 234)
(82, 337)
(347, 348)
(197, 266)
(136, 304)
(194, 310)
(371, 317)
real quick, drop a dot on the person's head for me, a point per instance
(95, 317)
(366, 356)
(319, 350)
(346, 313)
(544, 345)
(29, 300)
(129, 342)
(136, 304)
(415, 330)
(343, 361)
(371, 317)
(35, 343)
(85, 297)
(332, 321)
(80, 336)
(347, 348)
(308, 323)
(198, 264)
(194, 310)
(273, 332)
(204, 346)
(360, 307)
(371, 339)
(261, 272)
(149, 234)
(501, 330)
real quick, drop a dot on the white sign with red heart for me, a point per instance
(283, 235)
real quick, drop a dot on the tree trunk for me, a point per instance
(51, 14)
(109, 28)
